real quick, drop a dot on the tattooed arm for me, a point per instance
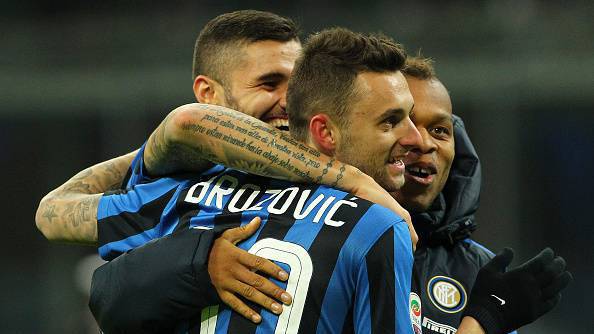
(196, 135)
(69, 213)
(199, 135)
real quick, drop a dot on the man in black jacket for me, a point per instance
(443, 180)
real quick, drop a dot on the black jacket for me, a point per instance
(152, 288)
(446, 261)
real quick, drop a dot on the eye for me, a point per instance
(390, 122)
(441, 131)
(269, 85)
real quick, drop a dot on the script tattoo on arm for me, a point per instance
(194, 134)
(69, 213)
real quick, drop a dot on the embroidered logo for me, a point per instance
(447, 294)
(415, 312)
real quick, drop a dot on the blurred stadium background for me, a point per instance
(85, 81)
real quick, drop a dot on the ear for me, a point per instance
(324, 134)
(207, 90)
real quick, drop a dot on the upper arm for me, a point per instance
(177, 145)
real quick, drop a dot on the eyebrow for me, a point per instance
(444, 117)
(392, 112)
(272, 76)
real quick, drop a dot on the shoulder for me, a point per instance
(379, 228)
(479, 253)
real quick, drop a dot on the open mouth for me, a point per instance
(421, 173)
(279, 123)
(396, 165)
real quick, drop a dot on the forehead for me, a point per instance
(379, 92)
(429, 95)
(267, 56)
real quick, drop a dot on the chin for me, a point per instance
(393, 184)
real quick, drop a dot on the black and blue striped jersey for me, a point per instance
(349, 260)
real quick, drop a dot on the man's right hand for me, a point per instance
(234, 272)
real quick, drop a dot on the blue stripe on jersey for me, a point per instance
(113, 249)
(305, 231)
(132, 201)
(170, 218)
(403, 270)
(137, 168)
(362, 307)
(342, 283)
(472, 242)
(223, 321)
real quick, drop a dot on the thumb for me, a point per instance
(500, 262)
(240, 233)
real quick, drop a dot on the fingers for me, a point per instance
(238, 234)
(500, 262)
(265, 286)
(549, 304)
(537, 263)
(551, 271)
(239, 306)
(251, 293)
(557, 285)
(263, 265)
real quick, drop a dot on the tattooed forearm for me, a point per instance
(69, 212)
(224, 136)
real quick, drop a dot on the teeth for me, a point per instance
(277, 122)
(419, 170)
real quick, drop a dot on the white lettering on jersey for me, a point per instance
(299, 213)
(323, 208)
(220, 192)
(190, 198)
(279, 203)
(285, 206)
(258, 206)
(329, 221)
(250, 200)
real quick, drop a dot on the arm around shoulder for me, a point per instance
(69, 212)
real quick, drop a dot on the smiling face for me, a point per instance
(379, 132)
(258, 81)
(428, 164)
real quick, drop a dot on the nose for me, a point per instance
(412, 139)
(282, 102)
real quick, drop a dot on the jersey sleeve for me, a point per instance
(383, 284)
(130, 218)
(136, 173)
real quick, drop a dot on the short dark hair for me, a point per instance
(213, 49)
(323, 79)
(419, 67)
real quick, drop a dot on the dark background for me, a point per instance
(83, 83)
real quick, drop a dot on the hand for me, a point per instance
(368, 189)
(233, 271)
(504, 301)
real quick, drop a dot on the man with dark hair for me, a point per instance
(441, 192)
(349, 260)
